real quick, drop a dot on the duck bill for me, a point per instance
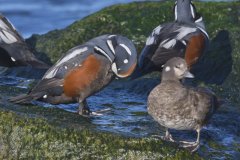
(188, 75)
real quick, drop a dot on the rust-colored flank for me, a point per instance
(194, 49)
(78, 79)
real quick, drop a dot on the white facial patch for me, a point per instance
(110, 45)
(65, 67)
(125, 61)
(167, 69)
(114, 68)
(45, 96)
(126, 48)
(14, 60)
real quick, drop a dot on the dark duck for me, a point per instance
(83, 71)
(178, 107)
(185, 37)
(13, 49)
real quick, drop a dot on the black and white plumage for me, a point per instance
(13, 49)
(185, 37)
(178, 107)
(83, 71)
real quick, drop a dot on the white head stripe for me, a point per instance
(175, 11)
(126, 48)
(110, 36)
(104, 53)
(192, 10)
(167, 69)
(110, 45)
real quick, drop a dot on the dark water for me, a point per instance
(128, 116)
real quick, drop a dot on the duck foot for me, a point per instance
(191, 146)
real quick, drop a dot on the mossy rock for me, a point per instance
(32, 132)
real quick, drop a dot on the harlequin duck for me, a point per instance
(178, 107)
(13, 49)
(83, 71)
(185, 37)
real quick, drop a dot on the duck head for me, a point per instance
(176, 69)
(125, 56)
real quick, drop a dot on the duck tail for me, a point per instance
(21, 99)
(38, 64)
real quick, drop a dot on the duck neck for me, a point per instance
(183, 11)
(169, 77)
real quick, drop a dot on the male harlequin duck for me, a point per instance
(13, 49)
(178, 107)
(185, 37)
(83, 71)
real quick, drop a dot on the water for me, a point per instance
(128, 116)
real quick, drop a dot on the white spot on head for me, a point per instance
(167, 69)
(80, 65)
(125, 61)
(126, 48)
(76, 65)
(14, 60)
(45, 96)
(65, 67)
(110, 45)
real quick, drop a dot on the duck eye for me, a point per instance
(177, 66)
